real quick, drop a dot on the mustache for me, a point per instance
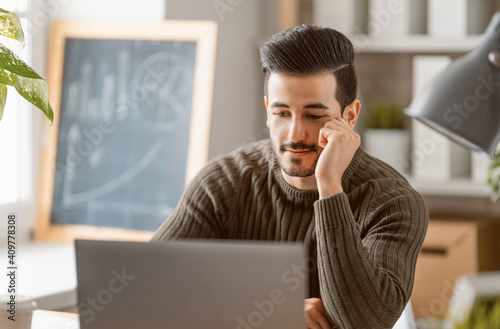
(298, 146)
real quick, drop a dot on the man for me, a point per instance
(361, 221)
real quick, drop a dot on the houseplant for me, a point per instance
(16, 73)
(475, 303)
(485, 314)
(385, 136)
(385, 116)
(494, 175)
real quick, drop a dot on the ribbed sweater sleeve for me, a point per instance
(366, 278)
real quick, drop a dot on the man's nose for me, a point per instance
(296, 130)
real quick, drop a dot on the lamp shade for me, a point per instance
(463, 102)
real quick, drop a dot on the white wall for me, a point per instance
(136, 10)
(46, 11)
(238, 111)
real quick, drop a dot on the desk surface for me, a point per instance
(54, 320)
(47, 272)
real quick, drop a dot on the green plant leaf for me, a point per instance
(3, 98)
(494, 176)
(7, 78)
(10, 26)
(385, 116)
(485, 314)
(11, 62)
(35, 91)
(15, 72)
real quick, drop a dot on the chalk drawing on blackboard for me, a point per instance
(114, 163)
(70, 198)
(170, 69)
(128, 105)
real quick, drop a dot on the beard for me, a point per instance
(295, 167)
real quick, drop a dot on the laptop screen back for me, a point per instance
(190, 284)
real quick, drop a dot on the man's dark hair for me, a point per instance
(305, 50)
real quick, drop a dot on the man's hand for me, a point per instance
(316, 315)
(339, 142)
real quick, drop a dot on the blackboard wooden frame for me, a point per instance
(204, 33)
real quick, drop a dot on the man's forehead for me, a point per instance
(314, 86)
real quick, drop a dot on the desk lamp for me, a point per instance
(463, 102)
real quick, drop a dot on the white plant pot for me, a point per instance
(480, 167)
(389, 145)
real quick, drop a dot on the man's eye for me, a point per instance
(315, 117)
(281, 114)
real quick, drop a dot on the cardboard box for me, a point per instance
(452, 247)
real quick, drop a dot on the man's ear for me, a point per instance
(267, 111)
(351, 113)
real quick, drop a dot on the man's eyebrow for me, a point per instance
(278, 104)
(316, 106)
(307, 106)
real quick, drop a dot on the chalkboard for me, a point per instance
(127, 105)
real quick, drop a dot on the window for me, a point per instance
(15, 127)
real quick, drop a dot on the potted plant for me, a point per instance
(494, 175)
(385, 136)
(484, 314)
(475, 303)
(16, 73)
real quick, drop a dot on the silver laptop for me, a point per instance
(190, 284)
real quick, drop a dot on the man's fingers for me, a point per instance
(327, 135)
(324, 135)
(316, 315)
(338, 123)
(323, 323)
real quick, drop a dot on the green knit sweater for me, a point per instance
(365, 240)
